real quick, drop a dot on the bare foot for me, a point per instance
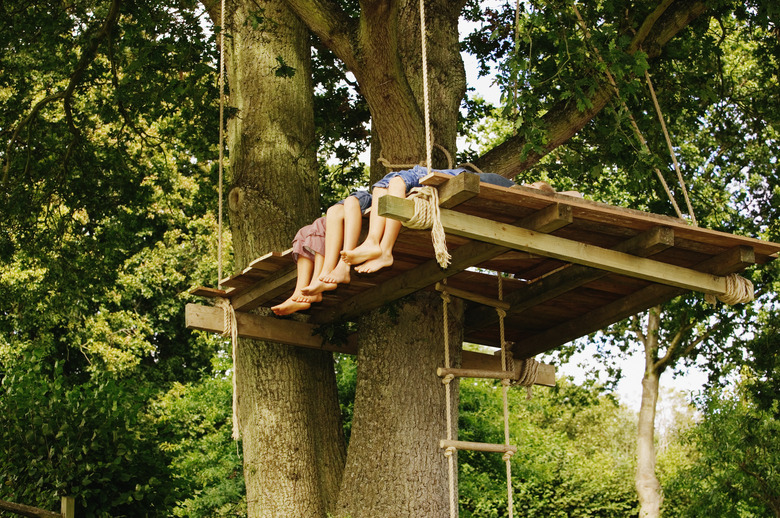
(317, 286)
(290, 306)
(306, 299)
(339, 275)
(374, 265)
(361, 254)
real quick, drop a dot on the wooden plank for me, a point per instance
(731, 261)
(477, 446)
(559, 248)
(267, 289)
(204, 291)
(613, 216)
(284, 331)
(567, 279)
(430, 272)
(458, 189)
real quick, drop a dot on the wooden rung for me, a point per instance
(477, 373)
(473, 297)
(203, 291)
(477, 446)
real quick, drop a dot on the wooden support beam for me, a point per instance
(730, 261)
(645, 244)
(301, 334)
(272, 286)
(458, 189)
(289, 332)
(563, 249)
(477, 446)
(548, 219)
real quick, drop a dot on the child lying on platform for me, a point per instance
(316, 250)
(376, 251)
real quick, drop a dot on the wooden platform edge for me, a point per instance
(258, 327)
(518, 238)
(301, 334)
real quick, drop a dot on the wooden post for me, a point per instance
(68, 507)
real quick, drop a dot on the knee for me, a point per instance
(397, 186)
(335, 212)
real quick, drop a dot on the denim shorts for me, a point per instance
(412, 177)
(363, 198)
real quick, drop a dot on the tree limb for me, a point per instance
(87, 56)
(564, 120)
(330, 23)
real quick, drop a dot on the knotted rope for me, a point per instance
(738, 290)
(450, 451)
(427, 215)
(505, 359)
(230, 328)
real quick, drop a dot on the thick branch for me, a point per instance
(564, 120)
(87, 56)
(331, 25)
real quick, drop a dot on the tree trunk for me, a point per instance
(647, 486)
(294, 450)
(395, 466)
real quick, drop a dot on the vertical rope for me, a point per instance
(671, 148)
(505, 386)
(221, 136)
(426, 96)
(450, 451)
(634, 125)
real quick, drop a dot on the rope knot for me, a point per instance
(446, 297)
(446, 379)
(738, 290)
(449, 451)
(501, 313)
(427, 215)
(508, 456)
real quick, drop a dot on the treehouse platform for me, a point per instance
(574, 266)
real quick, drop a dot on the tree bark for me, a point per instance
(647, 486)
(293, 444)
(395, 466)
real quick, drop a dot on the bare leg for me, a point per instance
(334, 237)
(297, 302)
(392, 228)
(353, 222)
(370, 248)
